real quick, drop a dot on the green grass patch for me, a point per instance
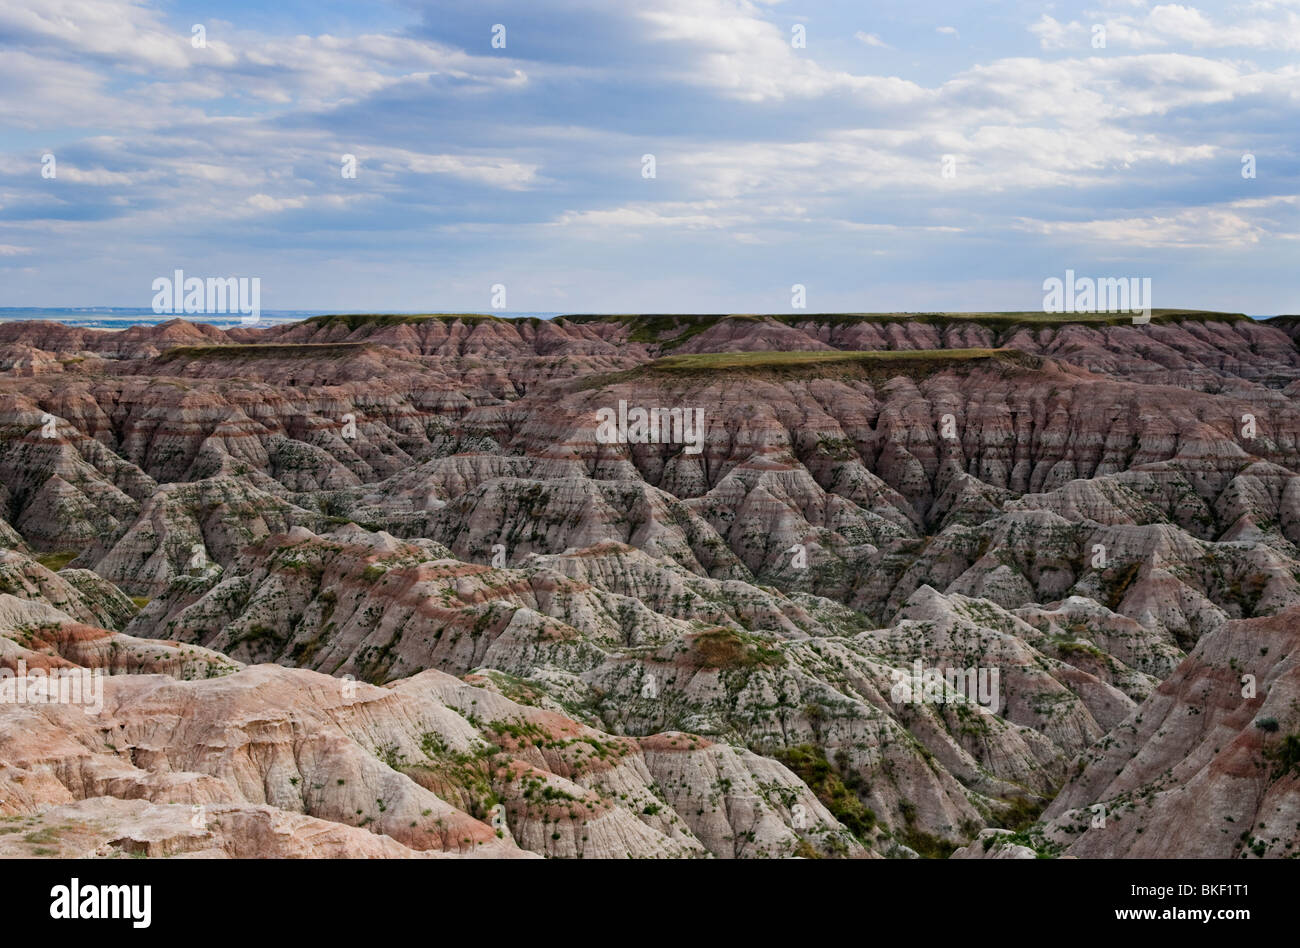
(355, 321)
(1022, 813)
(872, 365)
(808, 762)
(714, 361)
(241, 353)
(1003, 321)
(927, 846)
(56, 561)
(671, 330)
(1115, 583)
(1285, 755)
(726, 648)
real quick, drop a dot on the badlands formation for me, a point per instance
(382, 586)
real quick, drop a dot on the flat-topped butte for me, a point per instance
(671, 330)
(871, 364)
(674, 329)
(354, 321)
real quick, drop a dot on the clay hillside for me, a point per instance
(832, 586)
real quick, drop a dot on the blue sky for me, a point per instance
(775, 165)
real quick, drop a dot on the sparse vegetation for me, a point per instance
(809, 764)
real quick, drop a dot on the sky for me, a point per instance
(885, 156)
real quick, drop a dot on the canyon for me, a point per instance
(383, 586)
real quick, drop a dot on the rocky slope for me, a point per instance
(898, 585)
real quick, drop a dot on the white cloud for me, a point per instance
(264, 202)
(1173, 24)
(255, 126)
(699, 215)
(496, 172)
(118, 29)
(739, 54)
(100, 176)
(1200, 227)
